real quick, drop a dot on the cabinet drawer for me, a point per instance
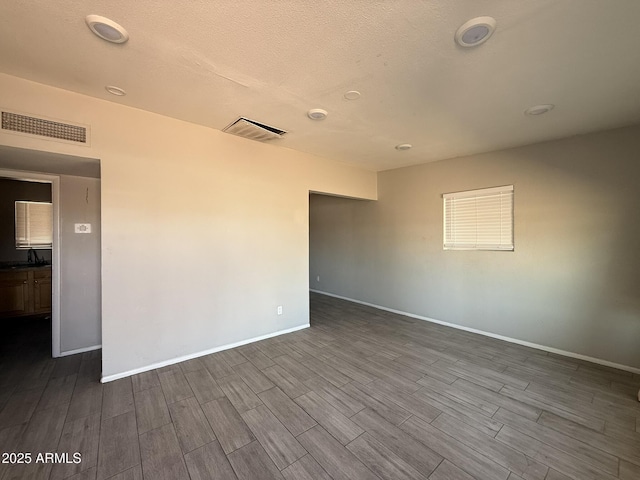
(42, 273)
(11, 276)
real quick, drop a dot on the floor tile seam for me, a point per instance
(277, 418)
(135, 406)
(454, 440)
(566, 409)
(61, 430)
(364, 432)
(61, 403)
(238, 448)
(534, 384)
(125, 470)
(99, 444)
(464, 403)
(474, 448)
(563, 450)
(180, 399)
(218, 378)
(281, 469)
(213, 430)
(19, 439)
(618, 456)
(306, 429)
(28, 420)
(320, 425)
(550, 364)
(490, 379)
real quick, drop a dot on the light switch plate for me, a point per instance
(83, 228)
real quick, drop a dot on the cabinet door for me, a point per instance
(14, 293)
(42, 291)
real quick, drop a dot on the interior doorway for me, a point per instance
(74, 258)
(28, 266)
(325, 210)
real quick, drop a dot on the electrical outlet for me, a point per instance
(279, 309)
(318, 278)
(82, 228)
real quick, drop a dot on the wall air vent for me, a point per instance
(243, 127)
(14, 122)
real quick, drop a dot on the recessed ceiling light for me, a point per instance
(475, 32)
(404, 146)
(107, 29)
(115, 90)
(539, 109)
(317, 114)
(352, 95)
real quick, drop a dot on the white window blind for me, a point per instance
(34, 225)
(479, 219)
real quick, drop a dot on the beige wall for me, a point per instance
(203, 233)
(572, 281)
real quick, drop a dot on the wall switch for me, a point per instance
(279, 309)
(318, 278)
(82, 228)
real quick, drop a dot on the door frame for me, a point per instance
(54, 180)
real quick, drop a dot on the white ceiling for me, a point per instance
(209, 62)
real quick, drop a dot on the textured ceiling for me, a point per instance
(209, 62)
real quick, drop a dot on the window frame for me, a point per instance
(504, 193)
(24, 240)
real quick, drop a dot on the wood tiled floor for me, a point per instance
(361, 394)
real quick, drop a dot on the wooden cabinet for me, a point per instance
(42, 290)
(14, 293)
(25, 291)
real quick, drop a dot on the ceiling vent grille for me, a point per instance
(243, 127)
(45, 128)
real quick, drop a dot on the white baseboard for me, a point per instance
(80, 350)
(565, 353)
(128, 373)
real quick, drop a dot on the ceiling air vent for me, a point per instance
(15, 122)
(243, 127)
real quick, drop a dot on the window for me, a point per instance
(479, 219)
(34, 225)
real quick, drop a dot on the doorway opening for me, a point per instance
(27, 251)
(67, 324)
